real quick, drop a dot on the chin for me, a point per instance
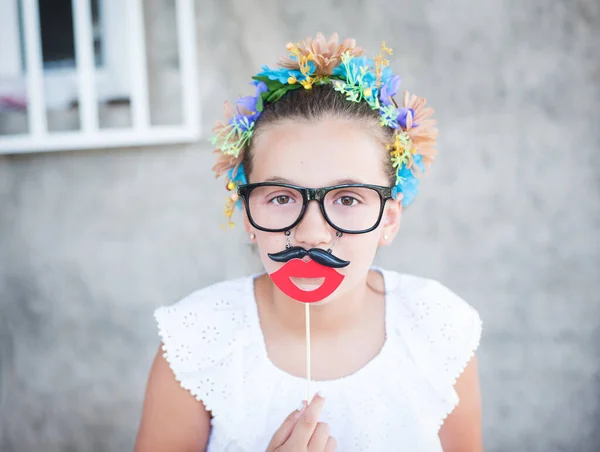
(323, 302)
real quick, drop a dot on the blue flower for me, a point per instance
(282, 74)
(341, 70)
(351, 71)
(408, 184)
(387, 74)
(240, 176)
(389, 88)
(418, 159)
(239, 179)
(312, 68)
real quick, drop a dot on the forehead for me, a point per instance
(318, 153)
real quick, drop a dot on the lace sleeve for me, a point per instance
(457, 329)
(442, 332)
(201, 335)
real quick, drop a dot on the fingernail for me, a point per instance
(320, 394)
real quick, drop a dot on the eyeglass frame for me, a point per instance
(314, 194)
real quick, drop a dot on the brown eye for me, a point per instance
(282, 199)
(347, 201)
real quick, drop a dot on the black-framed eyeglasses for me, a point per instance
(348, 208)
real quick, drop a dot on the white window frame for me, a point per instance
(60, 84)
(124, 74)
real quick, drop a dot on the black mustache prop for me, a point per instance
(316, 254)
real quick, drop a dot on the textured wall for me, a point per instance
(91, 242)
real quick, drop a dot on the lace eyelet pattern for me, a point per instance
(213, 343)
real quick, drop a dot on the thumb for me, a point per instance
(286, 429)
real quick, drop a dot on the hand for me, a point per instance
(302, 431)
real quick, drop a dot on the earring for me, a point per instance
(252, 236)
(385, 237)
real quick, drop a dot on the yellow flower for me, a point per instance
(386, 49)
(230, 186)
(304, 66)
(292, 80)
(307, 84)
(381, 62)
(367, 92)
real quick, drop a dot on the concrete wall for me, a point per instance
(92, 241)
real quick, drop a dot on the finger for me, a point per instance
(287, 427)
(319, 438)
(331, 445)
(307, 423)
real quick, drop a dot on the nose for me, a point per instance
(313, 231)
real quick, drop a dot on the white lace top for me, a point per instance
(398, 401)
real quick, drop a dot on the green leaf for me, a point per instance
(278, 94)
(271, 84)
(259, 103)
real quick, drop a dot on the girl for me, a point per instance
(322, 160)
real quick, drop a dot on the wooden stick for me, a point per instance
(307, 321)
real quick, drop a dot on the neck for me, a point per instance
(340, 314)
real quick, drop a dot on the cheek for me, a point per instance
(270, 243)
(359, 250)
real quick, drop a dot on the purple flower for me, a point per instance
(389, 89)
(248, 103)
(403, 114)
(261, 87)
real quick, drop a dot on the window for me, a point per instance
(58, 35)
(58, 51)
(64, 54)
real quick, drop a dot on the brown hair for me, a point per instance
(317, 103)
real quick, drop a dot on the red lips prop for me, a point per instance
(297, 268)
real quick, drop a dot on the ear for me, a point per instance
(391, 220)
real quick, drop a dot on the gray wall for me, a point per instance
(92, 241)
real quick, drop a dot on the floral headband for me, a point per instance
(319, 62)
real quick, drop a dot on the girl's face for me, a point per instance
(320, 154)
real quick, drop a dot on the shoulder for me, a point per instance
(428, 304)
(440, 329)
(223, 301)
(201, 332)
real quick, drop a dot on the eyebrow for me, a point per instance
(283, 180)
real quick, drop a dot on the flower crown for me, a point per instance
(319, 62)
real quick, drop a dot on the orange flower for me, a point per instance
(425, 133)
(220, 128)
(224, 163)
(326, 54)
